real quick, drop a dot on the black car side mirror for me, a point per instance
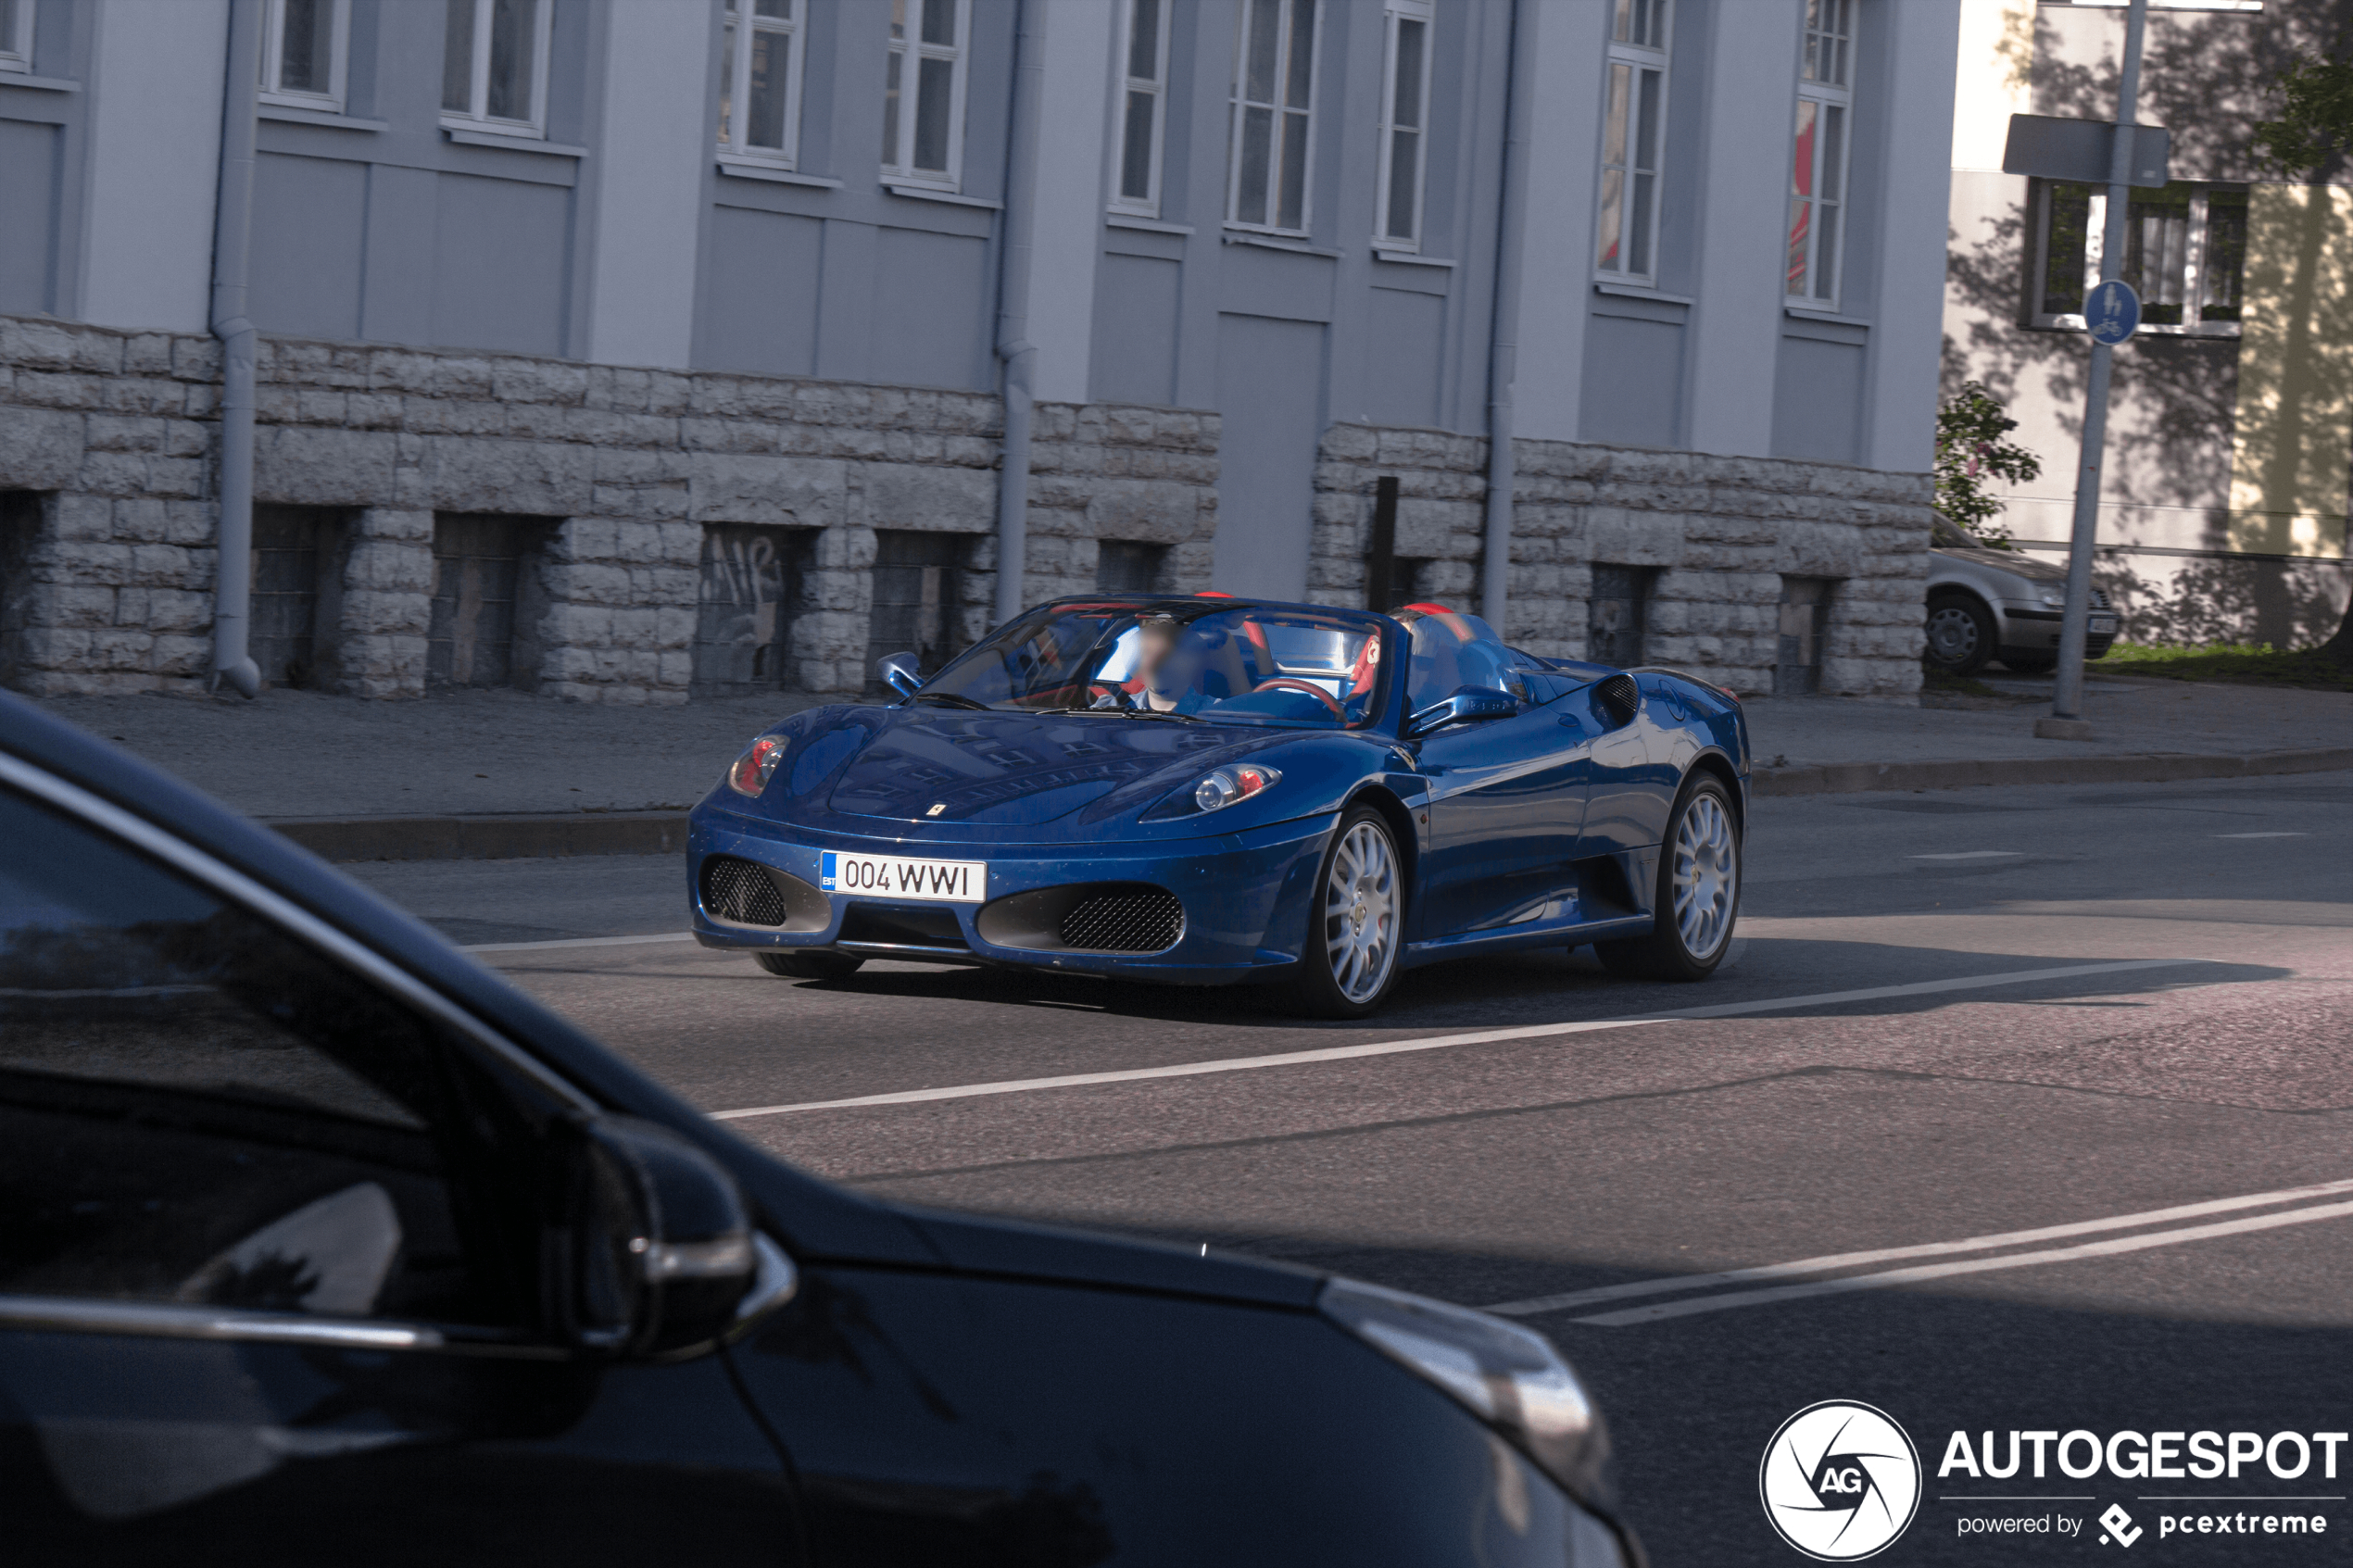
(656, 1256)
(901, 672)
(1468, 702)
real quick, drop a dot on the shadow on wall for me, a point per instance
(2226, 601)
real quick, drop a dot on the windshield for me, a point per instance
(1177, 658)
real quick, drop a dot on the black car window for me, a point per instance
(194, 1107)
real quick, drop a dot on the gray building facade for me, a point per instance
(631, 349)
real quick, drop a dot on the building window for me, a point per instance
(1274, 115)
(1633, 134)
(494, 65)
(1818, 172)
(760, 82)
(1806, 611)
(2184, 254)
(302, 52)
(923, 93)
(1124, 566)
(918, 602)
(1405, 125)
(16, 34)
(478, 568)
(751, 583)
(1143, 105)
(1614, 612)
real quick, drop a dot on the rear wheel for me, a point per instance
(809, 966)
(1960, 633)
(1349, 961)
(1699, 892)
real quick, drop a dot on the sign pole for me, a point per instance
(2067, 693)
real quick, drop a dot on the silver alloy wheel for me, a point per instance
(1360, 913)
(1952, 634)
(1707, 875)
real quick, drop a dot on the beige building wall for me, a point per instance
(2292, 447)
(2224, 489)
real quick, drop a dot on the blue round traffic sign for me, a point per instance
(2113, 312)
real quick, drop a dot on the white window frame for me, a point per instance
(1240, 105)
(1634, 58)
(16, 39)
(909, 50)
(1127, 85)
(2193, 322)
(274, 33)
(1828, 94)
(737, 19)
(1396, 13)
(477, 115)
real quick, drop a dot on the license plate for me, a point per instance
(2102, 625)
(893, 876)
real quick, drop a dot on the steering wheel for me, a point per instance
(1292, 683)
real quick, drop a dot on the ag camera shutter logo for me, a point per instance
(1841, 1481)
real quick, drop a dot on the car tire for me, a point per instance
(1355, 922)
(1698, 899)
(809, 966)
(1960, 633)
(2030, 665)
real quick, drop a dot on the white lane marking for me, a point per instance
(1443, 1042)
(2262, 835)
(1924, 1272)
(575, 942)
(1923, 1250)
(1972, 854)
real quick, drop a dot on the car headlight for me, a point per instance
(2052, 596)
(1241, 780)
(755, 767)
(1508, 1376)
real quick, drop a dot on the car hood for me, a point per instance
(2011, 561)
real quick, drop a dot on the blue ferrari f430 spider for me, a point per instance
(1207, 789)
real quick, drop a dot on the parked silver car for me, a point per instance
(1986, 604)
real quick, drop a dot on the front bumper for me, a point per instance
(2033, 630)
(1244, 896)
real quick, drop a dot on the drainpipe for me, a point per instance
(1020, 354)
(1502, 356)
(232, 244)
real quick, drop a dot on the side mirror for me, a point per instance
(1468, 702)
(900, 673)
(655, 1256)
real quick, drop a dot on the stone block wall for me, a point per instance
(1720, 534)
(109, 569)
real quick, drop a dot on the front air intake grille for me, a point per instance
(2100, 600)
(739, 891)
(1125, 923)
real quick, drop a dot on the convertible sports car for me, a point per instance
(1207, 789)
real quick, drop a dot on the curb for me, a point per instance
(664, 833)
(489, 839)
(2160, 767)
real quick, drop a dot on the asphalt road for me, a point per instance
(2004, 1072)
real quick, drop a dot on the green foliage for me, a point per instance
(2316, 121)
(1971, 450)
(2248, 664)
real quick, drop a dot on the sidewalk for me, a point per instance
(493, 773)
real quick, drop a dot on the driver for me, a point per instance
(1157, 681)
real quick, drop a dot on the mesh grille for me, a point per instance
(1620, 696)
(2100, 600)
(739, 891)
(1125, 923)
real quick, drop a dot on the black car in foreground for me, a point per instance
(320, 1244)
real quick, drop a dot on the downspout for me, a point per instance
(1020, 354)
(231, 246)
(1502, 356)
